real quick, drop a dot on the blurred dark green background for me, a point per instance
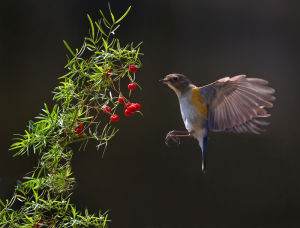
(251, 181)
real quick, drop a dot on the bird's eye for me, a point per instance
(175, 79)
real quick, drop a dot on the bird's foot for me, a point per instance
(175, 136)
(172, 136)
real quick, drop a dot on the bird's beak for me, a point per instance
(163, 80)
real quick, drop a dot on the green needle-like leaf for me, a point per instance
(124, 15)
(68, 47)
(92, 26)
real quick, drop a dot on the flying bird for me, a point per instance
(235, 104)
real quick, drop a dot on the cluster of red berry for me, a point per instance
(130, 108)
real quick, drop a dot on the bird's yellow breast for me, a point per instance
(198, 101)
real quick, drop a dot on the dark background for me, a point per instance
(251, 181)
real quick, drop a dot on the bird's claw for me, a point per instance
(172, 136)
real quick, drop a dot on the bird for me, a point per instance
(233, 104)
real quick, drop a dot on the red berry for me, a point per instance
(79, 131)
(108, 73)
(132, 68)
(106, 109)
(137, 106)
(127, 112)
(127, 104)
(132, 108)
(121, 100)
(39, 223)
(80, 126)
(131, 86)
(114, 118)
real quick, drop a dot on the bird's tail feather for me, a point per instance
(202, 142)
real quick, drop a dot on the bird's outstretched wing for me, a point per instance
(237, 104)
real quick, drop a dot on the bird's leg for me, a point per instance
(176, 135)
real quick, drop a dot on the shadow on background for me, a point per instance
(251, 181)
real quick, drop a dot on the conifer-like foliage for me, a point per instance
(87, 102)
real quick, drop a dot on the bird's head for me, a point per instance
(177, 82)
